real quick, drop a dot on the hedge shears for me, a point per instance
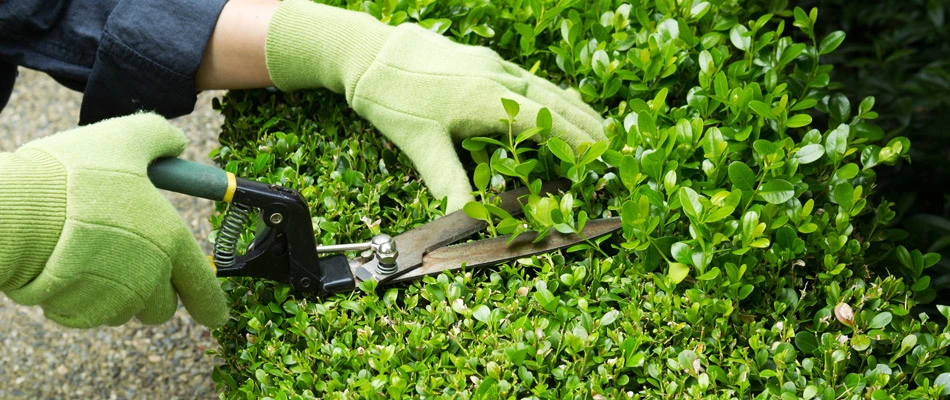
(285, 249)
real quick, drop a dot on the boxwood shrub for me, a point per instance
(897, 52)
(756, 258)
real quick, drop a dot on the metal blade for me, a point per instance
(415, 243)
(495, 251)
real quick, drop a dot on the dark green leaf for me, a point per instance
(844, 195)
(777, 191)
(806, 342)
(880, 320)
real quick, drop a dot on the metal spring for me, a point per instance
(384, 269)
(225, 245)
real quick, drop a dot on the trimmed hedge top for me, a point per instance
(753, 262)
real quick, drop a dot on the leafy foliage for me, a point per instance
(752, 261)
(897, 52)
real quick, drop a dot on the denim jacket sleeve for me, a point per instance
(125, 55)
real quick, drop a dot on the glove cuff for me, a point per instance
(313, 45)
(32, 214)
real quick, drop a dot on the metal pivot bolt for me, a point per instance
(276, 218)
(386, 254)
(382, 247)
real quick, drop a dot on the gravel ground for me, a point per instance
(39, 359)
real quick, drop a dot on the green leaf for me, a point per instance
(678, 272)
(544, 120)
(844, 195)
(511, 108)
(860, 342)
(765, 147)
(690, 201)
(482, 176)
(475, 210)
(831, 42)
(904, 257)
(764, 110)
(524, 169)
(609, 317)
(507, 226)
(437, 25)
(261, 161)
(562, 150)
(629, 169)
(806, 342)
(482, 313)
(517, 354)
(777, 191)
(594, 152)
(484, 31)
(739, 35)
(798, 121)
(645, 124)
(653, 163)
(943, 382)
(709, 275)
(837, 143)
(484, 139)
(686, 358)
(880, 320)
(527, 134)
(741, 175)
(791, 52)
(809, 154)
(681, 252)
(505, 166)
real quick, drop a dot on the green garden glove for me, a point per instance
(417, 87)
(85, 235)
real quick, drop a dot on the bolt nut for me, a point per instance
(386, 253)
(276, 218)
(381, 239)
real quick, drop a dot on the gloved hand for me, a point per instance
(421, 90)
(86, 236)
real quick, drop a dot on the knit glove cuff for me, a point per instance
(32, 214)
(313, 45)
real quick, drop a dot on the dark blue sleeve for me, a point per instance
(125, 55)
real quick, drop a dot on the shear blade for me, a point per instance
(495, 251)
(414, 244)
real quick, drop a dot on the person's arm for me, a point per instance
(234, 56)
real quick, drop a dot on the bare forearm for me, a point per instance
(234, 57)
